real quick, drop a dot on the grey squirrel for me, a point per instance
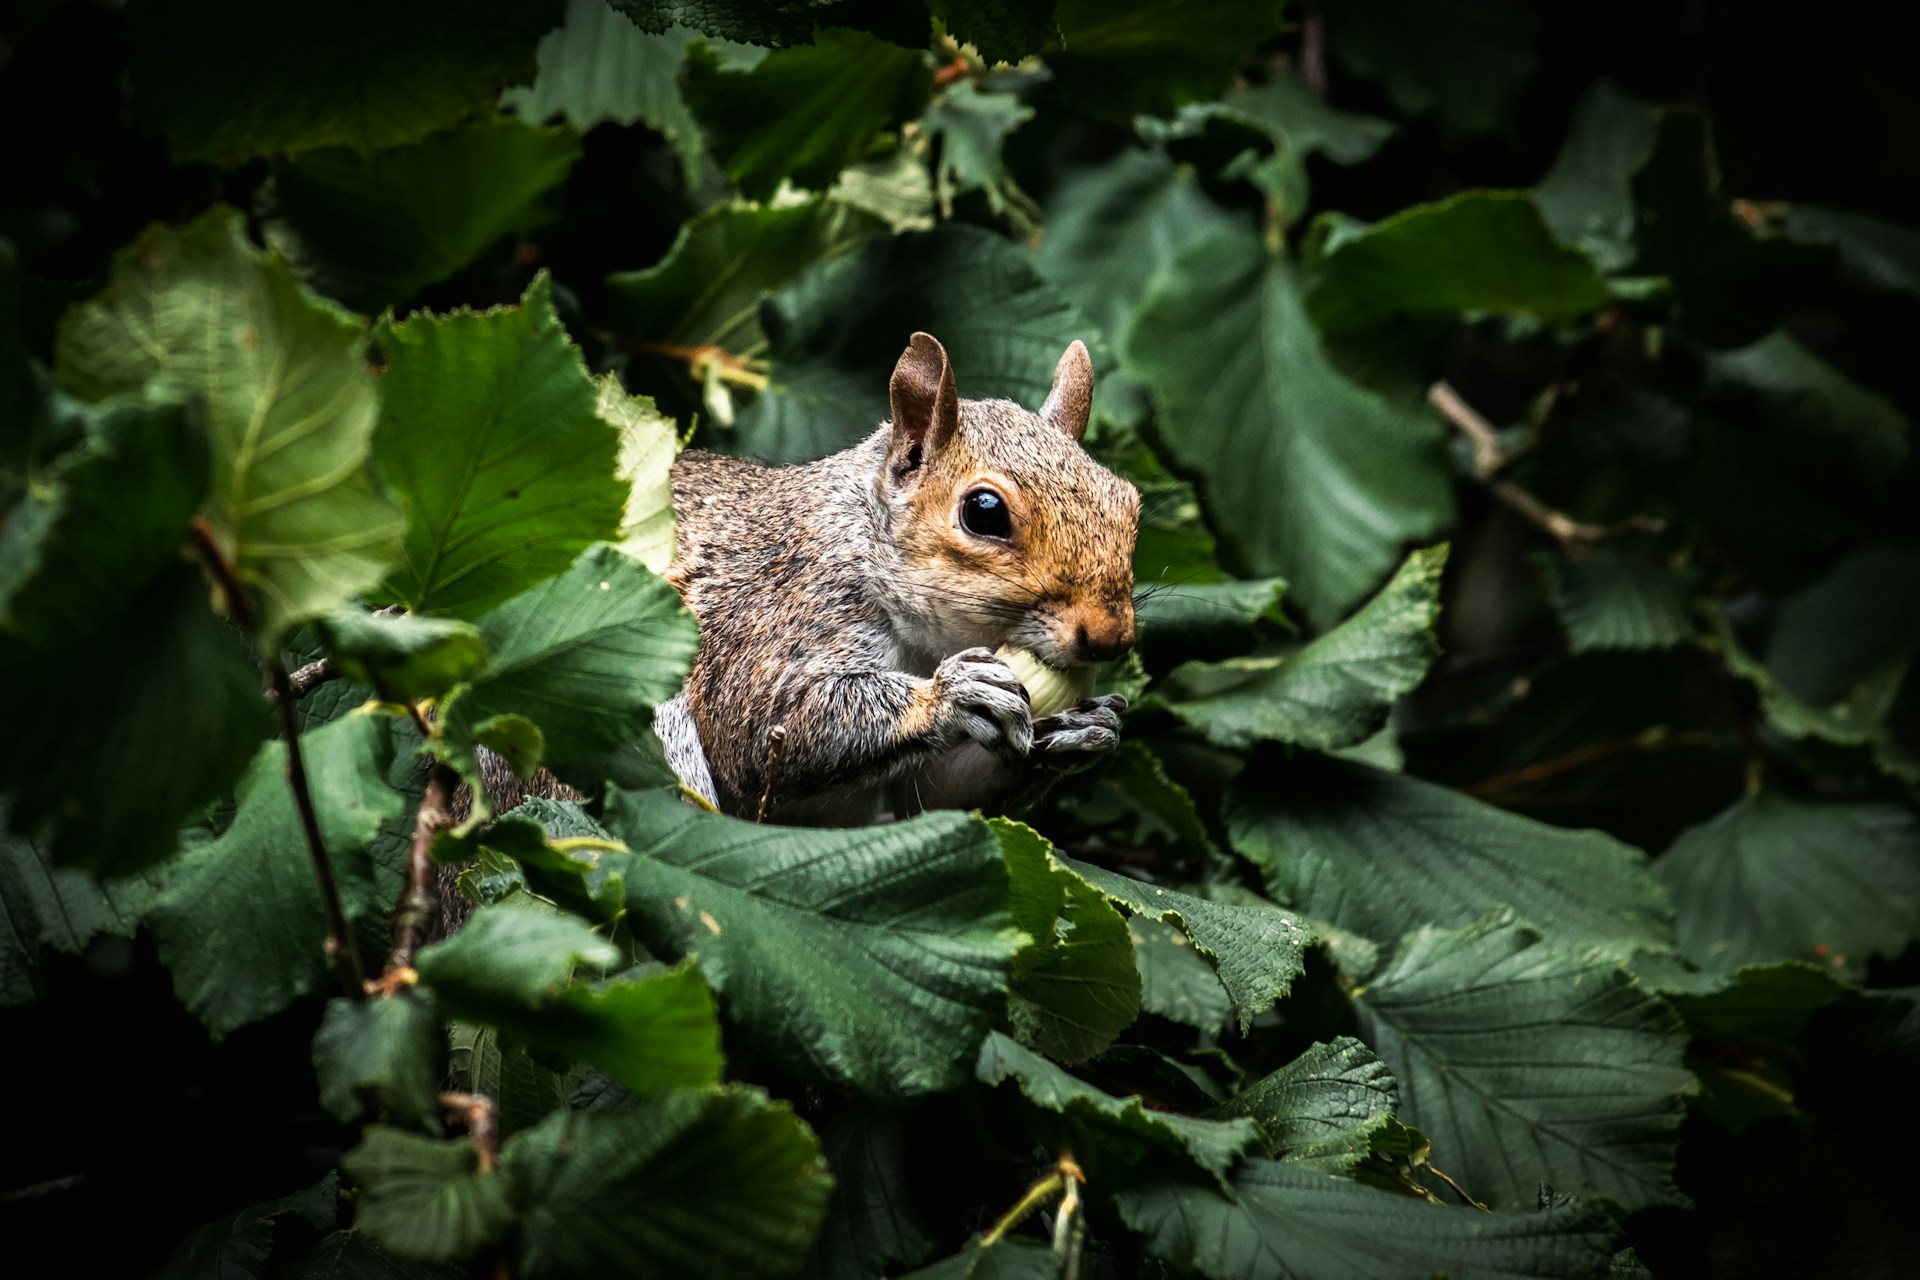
(849, 608)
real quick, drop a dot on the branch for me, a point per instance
(303, 680)
(418, 900)
(737, 370)
(477, 1112)
(1490, 457)
(340, 944)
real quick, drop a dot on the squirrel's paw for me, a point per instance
(986, 700)
(1076, 738)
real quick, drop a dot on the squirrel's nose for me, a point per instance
(1107, 639)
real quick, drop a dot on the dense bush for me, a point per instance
(1522, 398)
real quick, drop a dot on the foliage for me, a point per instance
(1512, 855)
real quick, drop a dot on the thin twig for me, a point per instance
(727, 367)
(1657, 736)
(776, 752)
(303, 680)
(1490, 457)
(414, 914)
(1457, 1188)
(340, 944)
(1313, 53)
(476, 1111)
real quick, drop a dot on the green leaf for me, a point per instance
(1257, 951)
(1002, 30)
(585, 656)
(98, 524)
(290, 407)
(237, 1246)
(1587, 197)
(254, 887)
(91, 758)
(1309, 476)
(1008, 1258)
(1320, 1109)
(374, 230)
(1133, 784)
(774, 23)
(61, 907)
(708, 289)
(836, 333)
(1850, 628)
(1335, 691)
(1425, 267)
(486, 1060)
(1212, 1145)
(1880, 254)
(1075, 988)
(649, 442)
(598, 68)
(1615, 598)
(1176, 982)
(1467, 63)
(424, 1197)
(1382, 853)
(1756, 1004)
(404, 658)
(1296, 1224)
(514, 969)
(1778, 878)
(1300, 121)
(1112, 225)
(971, 128)
(1528, 1065)
(227, 82)
(1790, 388)
(871, 1220)
(384, 1057)
(805, 113)
(491, 435)
(721, 1184)
(1122, 57)
(875, 957)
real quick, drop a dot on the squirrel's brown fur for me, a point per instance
(847, 600)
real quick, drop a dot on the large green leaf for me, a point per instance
(1467, 62)
(426, 1198)
(649, 442)
(1295, 1224)
(774, 23)
(805, 113)
(1111, 226)
(1075, 987)
(254, 888)
(1212, 1145)
(1176, 982)
(875, 957)
(92, 756)
(1120, 57)
(94, 527)
(1286, 109)
(290, 406)
(1383, 853)
(1617, 598)
(1774, 877)
(372, 231)
(598, 68)
(1423, 268)
(489, 431)
(871, 1218)
(1320, 1109)
(513, 969)
(227, 81)
(1257, 951)
(403, 658)
(1527, 1065)
(707, 290)
(1587, 197)
(65, 908)
(719, 1184)
(1853, 627)
(585, 656)
(1336, 690)
(237, 1246)
(384, 1056)
(1789, 388)
(1309, 475)
(837, 331)
(971, 127)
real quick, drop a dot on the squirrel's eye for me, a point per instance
(984, 514)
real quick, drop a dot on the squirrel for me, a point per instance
(849, 608)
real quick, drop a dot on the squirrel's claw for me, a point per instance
(1077, 737)
(987, 701)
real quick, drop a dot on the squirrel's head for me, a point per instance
(1009, 532)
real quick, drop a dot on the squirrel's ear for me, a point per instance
(926, 408)
(1071, 400)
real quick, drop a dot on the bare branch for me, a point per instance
(419, 903)
(303, 680)
(477, 1112)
